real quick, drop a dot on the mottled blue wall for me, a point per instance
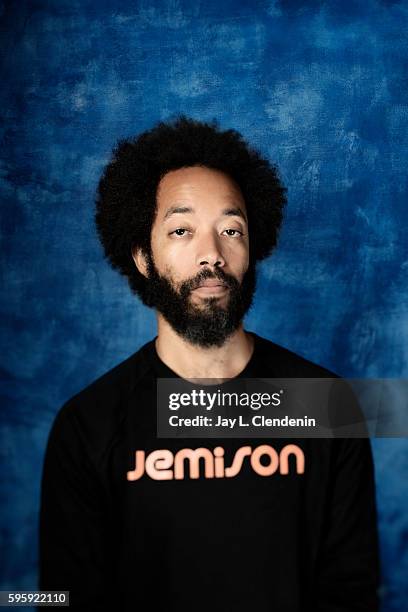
(320, 87)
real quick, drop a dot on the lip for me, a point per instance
(211, 283)
(212, 287)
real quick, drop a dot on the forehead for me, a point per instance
(197, 185)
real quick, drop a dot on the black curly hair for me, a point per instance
(126, 197)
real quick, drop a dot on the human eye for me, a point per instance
(235, 233)
(179, 231)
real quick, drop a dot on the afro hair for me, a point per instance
(126, 196)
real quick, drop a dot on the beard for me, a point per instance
(208, 325)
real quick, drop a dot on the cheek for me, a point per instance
(170, 266)
(161, 256)
(238, 258)
(169, 258)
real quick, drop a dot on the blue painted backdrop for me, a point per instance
(320, 87)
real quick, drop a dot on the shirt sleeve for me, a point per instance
(348, 568)
(74, 535)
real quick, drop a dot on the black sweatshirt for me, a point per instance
(285, 542)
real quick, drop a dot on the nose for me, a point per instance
(209, 252)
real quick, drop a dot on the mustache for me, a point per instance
(218, 274)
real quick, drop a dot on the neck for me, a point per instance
(192, 361)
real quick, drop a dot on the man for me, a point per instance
(185, 211)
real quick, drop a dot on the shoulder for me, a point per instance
(344, 415)
(96, 412)
(287, 364)
(119, 381)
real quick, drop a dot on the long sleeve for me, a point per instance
(74, 535)
(348, 566)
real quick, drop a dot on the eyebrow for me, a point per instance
(230, 212)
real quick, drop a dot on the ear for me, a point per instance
(140, 260)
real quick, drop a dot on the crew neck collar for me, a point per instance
(163, 371)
